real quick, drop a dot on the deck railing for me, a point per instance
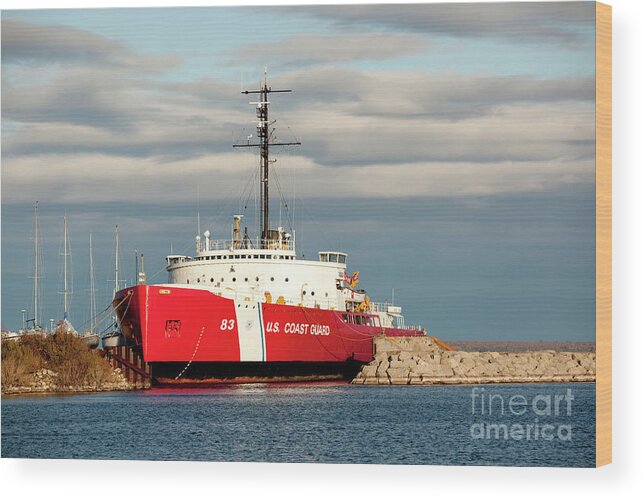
(285, 244)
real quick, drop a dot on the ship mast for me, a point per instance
(264, 131)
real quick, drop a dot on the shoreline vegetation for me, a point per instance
(56, 363)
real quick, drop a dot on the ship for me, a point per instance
(247, 309)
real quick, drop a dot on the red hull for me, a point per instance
(175, 324)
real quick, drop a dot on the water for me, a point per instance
(333, 423)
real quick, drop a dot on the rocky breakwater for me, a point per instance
(428, 361)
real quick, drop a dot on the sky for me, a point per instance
(448, 148)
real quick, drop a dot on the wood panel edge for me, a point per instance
(603, 234)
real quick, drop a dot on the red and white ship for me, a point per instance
(249, 309)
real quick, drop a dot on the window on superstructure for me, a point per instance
(342, 258)
(188, 281)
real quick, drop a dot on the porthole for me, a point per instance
(257, 279)
(286, 279)
(211, 279)
(246, 279)
(222, 279)
(304, 293)
(312, 293)
(234, 279)
(326, 294)
(198, 279)
(272, 278)
(188, 281)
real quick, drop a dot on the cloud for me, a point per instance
(79, 178)
(537, 22)
(383, 119)
(30, 43)
(447, 95)
(387, 132)
(321, 49)
(387, 118)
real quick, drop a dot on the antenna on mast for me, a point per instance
(265, 134)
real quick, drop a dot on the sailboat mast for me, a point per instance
(116, 280)
(92, 288)
(36, 276)
(265, 135)
(65, 290)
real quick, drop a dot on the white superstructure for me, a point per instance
(266, 269)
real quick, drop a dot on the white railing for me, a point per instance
(385, 307)
(284, 244)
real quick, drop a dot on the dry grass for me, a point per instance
(63, 353)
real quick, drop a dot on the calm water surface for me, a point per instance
(310, 423)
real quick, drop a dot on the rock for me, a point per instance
(381, 371)
(453, 361)
(421, 361)
(577, 370)
(467, 363)
(405, 356)
(398, 372)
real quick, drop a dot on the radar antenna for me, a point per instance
(264, 132)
